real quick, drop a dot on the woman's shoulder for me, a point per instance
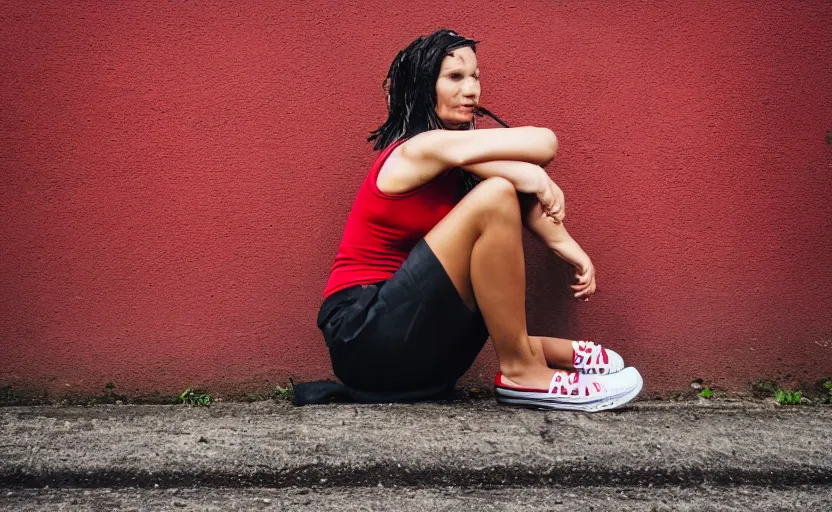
(386, 155)
(391, 174)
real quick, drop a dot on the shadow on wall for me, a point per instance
(553, 311)
(550, 306)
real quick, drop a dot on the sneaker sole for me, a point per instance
(548, 404)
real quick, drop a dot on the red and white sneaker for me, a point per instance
(587, 357)
(575, 392)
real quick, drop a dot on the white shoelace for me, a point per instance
(573, 385)
(590, 357)
(566, 386)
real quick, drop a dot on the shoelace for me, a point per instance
(589, 357)
(572, 385)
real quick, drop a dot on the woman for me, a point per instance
(422, 277)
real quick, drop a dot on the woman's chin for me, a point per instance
(457, 124)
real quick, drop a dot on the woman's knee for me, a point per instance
(495, 185)
(499, 199)
(498, 196)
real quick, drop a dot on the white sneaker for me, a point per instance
(576, 392)
(587, 357)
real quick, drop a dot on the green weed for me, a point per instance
(195, 397)
(278, 393)
(706, 393)
(770, 388)
(788, 397)
(281, 393)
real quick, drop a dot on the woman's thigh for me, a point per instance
(417, 333)
(452, 239)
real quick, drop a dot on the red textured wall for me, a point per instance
(176, 175)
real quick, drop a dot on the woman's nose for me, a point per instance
(470, 87)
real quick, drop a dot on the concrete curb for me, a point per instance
(272, 444)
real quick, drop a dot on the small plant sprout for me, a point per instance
(787, 397)
(706, 393)
(196, 398)
(281, 393)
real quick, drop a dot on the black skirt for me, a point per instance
(410, 333)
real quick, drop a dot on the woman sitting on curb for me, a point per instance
(431, 262)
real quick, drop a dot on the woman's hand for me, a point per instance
(551, 198)
(585, 277)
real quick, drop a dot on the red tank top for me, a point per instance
(382, 229)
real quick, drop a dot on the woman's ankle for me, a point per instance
(558, 352)
(537, 377)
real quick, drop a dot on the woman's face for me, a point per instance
(458, 88)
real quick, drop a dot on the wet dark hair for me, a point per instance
(411, 87)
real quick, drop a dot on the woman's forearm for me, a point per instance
(572, 253)
(525, 177)
(552, 235)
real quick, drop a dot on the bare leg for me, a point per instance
(480, 246)
(558, 352)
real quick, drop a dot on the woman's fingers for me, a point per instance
(586, 292)
(552, 201)
(557, 218)
(583, 294)
(552, 219)
(580, 287)
(546, 202)
(558, 209)
(554, 216)
(583, 277)
(583, 283)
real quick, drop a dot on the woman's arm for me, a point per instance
(547, 228)
(527, 178)
(423, 157)
(445, 149)
(555, 237)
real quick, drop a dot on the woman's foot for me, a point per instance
(574, 391)
(537, 377)
(589, 358)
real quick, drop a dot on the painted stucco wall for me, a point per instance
(175, 177)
